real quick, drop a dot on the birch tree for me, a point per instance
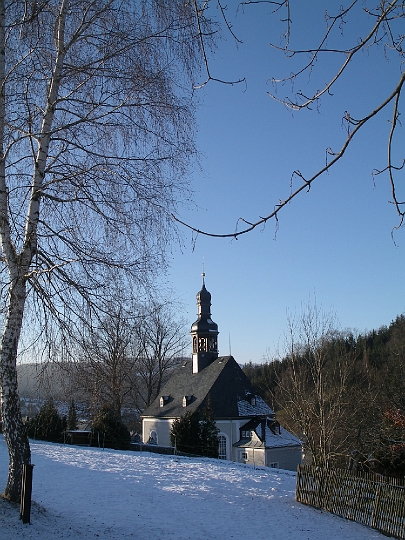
(96, 134)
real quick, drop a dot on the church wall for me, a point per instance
(161, 426)
(287, 458)
(230, 429)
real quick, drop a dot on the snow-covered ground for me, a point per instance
(90, 493)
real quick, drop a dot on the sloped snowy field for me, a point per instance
(90, 493)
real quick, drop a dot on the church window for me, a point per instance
(221, 447)
(153, 438)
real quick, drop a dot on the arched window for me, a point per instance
(153, 437)
(221, 447)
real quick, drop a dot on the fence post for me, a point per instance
(26, 490)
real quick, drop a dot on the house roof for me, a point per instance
(222, 382)
(269, 435)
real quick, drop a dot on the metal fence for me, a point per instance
(378, 502)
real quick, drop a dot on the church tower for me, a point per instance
(204, 333)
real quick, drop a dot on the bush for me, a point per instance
(109, 429)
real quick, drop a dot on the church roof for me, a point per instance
(222, 382)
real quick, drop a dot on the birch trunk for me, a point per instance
(13, 427)
(19, 262)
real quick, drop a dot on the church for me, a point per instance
(248, 430)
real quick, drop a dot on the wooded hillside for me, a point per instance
(344, 394)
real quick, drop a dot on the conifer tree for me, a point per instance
(47, 425)
(185, 433)
(110, 430)
(208, 433)
(72, 416)
(196, 433)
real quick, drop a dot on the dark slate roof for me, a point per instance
(223, 383)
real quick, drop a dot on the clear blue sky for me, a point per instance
(333, 243)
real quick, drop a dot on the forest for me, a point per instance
(343, 394)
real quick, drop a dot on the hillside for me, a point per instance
(89, 493)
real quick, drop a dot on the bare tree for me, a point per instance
(161, 340)
(317, 387)
(123, 356)
(106, 371)
(96, 133)
(382, 33)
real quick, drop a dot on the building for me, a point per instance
(248, 431)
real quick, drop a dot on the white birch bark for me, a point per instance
(95, 137)
(18, 265)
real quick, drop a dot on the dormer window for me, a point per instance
(246, 434)
(164, 400)
(186, 400)
(252, 399)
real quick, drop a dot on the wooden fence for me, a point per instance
(366, 498)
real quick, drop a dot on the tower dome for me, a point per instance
(203, 296)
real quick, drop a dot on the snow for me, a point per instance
(245, 408)
(81, 492)
(284, 438)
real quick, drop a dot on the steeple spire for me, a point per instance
(204, 332)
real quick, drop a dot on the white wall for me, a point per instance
(288, 458)
(162, 428)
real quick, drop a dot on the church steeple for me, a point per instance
(204, 332)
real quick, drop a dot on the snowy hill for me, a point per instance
(90, 493)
